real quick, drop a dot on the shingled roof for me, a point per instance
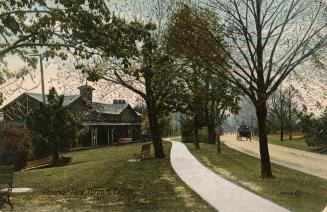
(99, 107)
(108, 108)
(68, 99)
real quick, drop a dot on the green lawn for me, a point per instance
(291, 189)
(149, 185)
(297, 143)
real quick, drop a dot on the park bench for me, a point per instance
(144, 153)
(6, 183)
(39, 163)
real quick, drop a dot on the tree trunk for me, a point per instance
(212, 136)
(195, 130)
(282, 130)
(153, 118)
(290, 136)
(281, 116)
(211, 123)
(55, 152)
(261, 111)
(218, 139)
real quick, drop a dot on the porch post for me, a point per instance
(108, 135)
(94, 137)
(112, 135)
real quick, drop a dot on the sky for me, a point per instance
(56, 74)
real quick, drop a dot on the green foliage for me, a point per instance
(186, 129)
(188, 35)
(283, 109)
(83, 137)
(202, 92)
(41, 146)
(315, 130)
(34, 26)
(53, 126)
(15, 147)
(163, 121)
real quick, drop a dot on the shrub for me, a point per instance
(84, 138)
(315, 130)
(15, 147)
(41, 147)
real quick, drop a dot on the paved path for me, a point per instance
(310, 163)
(220, 193)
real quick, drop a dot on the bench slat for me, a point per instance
(145, 151)
(39, 162)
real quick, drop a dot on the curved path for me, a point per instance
(308, 162)
(220, 193)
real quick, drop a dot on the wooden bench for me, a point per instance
(125, 140)
(39, 163)
(144, 153)
(6, 183)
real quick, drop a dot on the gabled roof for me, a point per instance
(68, 99)
(108, 108)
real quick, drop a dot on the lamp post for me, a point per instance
(42, 76)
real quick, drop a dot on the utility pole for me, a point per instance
(290, 137)
(42, 76)
(281, 98)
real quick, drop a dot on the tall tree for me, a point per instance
(224, 100)
(38, 27)
(55, 124)
(184, 40)
(283, 110)
(264, 42)
(140, 65)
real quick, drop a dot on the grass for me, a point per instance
(291, 189)
(103, 180)
(296, 143)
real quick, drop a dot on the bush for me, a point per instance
(84, 138)
(41, 147)
(63, 161)
(15, 147)
(315, 130)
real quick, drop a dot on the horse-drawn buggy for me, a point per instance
(243, 132)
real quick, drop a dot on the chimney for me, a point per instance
(119, 102)
(86, 93)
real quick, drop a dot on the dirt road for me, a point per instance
(310, 163)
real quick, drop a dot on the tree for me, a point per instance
(15, 147)
(55, 124)
(140, 66)
(277, 111)
(283, 110)
(39, 27)
(224, 100)
(205, 95)
(315, 130)
(264, 42)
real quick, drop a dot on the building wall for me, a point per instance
(19, 109)
(128, 115)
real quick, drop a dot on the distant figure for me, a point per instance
(244, 131)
